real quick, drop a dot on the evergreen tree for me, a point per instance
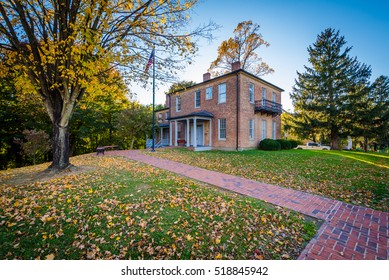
(325, 90)
(301, 125)
(380, 96)
(370, 115)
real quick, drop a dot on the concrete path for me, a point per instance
(349, 232)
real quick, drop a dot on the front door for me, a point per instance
(200, 135)
(165, 137)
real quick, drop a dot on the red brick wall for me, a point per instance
(160, 116)
(224, 110)
(228, 110)
(247, 112)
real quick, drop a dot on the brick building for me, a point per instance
(234, 111)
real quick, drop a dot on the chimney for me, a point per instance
(167, 101)
(235, 66)
(206, 76)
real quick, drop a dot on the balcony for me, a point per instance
(268, 107)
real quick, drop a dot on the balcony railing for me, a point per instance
(268, 107)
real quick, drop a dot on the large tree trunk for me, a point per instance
(334, 141)
(365, 143)
(60, 113)
(61, 148)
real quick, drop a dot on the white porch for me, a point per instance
(164, 135)
(192, 131)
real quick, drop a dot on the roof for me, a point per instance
(232, 73)
(204, 114)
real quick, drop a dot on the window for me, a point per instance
(264, 129)
(197, 99)
(159, 117)
(274, 99)
(178, 103)
(274, 131)
(263, 93)
(251, 129)
(208, 93)
(222, 93)
(166, 115)
(179, 132)
(251, 93)
(222, 129)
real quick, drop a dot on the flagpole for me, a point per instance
(153, 146)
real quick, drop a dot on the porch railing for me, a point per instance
(157, 144)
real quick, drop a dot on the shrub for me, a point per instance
(285, 144)
(37, 143)
(269, 145)
(294, 143)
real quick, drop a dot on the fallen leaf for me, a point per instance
(189, 237)
(50, 257)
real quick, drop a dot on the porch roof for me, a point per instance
(202, 114)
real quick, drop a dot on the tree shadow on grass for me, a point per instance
(41, 174)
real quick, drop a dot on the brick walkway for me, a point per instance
(348, 232)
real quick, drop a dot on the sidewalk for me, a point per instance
(348, 232)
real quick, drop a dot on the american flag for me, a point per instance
(151, 61)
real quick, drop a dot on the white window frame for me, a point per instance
(220, 128)
(197, 94)
(251, 92)
(208, 93)
(222, 93)
(251, 129)
(178, 103)
(166, 115)
(274, 130)
(264, 93)
(264, 129)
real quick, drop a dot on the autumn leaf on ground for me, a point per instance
(50, 257)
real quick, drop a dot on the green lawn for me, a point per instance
(354, 177)
(113, 208)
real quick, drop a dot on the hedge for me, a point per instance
(285, 144)
(269, 145)
(294, 143)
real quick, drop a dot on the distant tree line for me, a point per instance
(334, 97)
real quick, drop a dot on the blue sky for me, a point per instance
(290, 27)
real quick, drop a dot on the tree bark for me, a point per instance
(334, 141)
(365, 143)
(61, 148)
(60, 112)
(132, 142)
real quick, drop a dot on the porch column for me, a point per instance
(195, 132)
(210, 133)
(175, 133)
(161, 135)
(170, 134)
(187, 132)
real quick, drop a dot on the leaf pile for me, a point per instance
(126, 210)
(360, 179)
